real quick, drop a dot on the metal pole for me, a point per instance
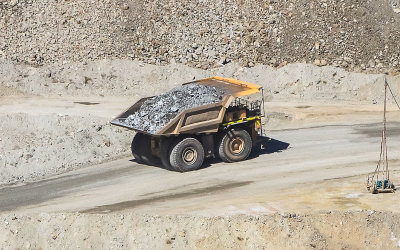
(263, 110)
(384, 133)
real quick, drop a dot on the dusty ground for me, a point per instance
(330, 230)
(58, 149)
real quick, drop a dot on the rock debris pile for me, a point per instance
(34, 146)
(352, 34)
(158, 111)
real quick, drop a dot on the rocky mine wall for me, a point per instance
(353, 34)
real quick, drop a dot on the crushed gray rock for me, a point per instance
(43, 145)
(203, 34)
(158, 111)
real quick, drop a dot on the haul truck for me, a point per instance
(227, 129)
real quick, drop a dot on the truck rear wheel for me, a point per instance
(141, 149)
(187, 155)
(136, 147)
(165, 149)
(235, 145)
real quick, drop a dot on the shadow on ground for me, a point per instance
(267, 145)
(264, 145)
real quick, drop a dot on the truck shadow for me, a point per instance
(264, 145)
(268, 145)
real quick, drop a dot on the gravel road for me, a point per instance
(293, 159)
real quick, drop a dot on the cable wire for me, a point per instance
(391, 92)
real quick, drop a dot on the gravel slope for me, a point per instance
(352, 34)
(36, 146)
(296, 82)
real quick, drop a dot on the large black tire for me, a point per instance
(141, 149)
(165, 150)
(136, 147)
(186, 155)
(234, 145)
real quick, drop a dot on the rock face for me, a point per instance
(158, 111)
(204, 34)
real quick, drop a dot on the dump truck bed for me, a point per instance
(201, 119)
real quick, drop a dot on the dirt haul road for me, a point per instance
(308, 168)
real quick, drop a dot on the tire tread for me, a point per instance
(226, 136)
(174, 155)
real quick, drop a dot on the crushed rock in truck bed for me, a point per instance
(158, 111)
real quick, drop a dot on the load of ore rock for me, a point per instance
(158, 111)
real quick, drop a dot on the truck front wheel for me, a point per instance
(235, 145)
(187, 155)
